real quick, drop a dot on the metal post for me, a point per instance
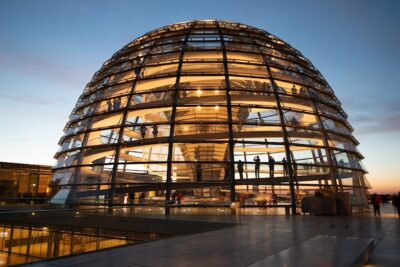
(229, 111)
(172, 122)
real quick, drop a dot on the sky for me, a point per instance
(49, 51)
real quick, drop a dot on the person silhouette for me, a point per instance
(285, 167)
(240, 169)
(376, 203)
(109, 105)
(143, 131)
(198, 171)
(257, 167)
(271, 165)
(155, 131)
(294, 90)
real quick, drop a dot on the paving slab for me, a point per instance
(263, 241)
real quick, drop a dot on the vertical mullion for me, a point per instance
(121, 128)
(331, 161)
(229, 111)
(285, 137)
(172, 122)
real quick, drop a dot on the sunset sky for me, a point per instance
(49, 50)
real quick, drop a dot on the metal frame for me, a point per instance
(243, 56)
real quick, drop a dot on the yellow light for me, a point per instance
(33, 214)
(198, 107)
(216, 91)
(216, 107)
(199, 92)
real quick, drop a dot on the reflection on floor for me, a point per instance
(261, 240)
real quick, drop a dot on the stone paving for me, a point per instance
(263, 241)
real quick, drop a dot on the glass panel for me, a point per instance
(247, 69)
(202, 55)
(103, 137)
(250, 84)
(201, 113)
(305, 137)
(245, 57)
(155, 84)
(202, 68)
(162, 114)
(299, 119)
(200, 82)
(159, 70)
(146, 131)
(200, 131)
(98, 155)
(144, 153)
(72, 143)
(198, 171)
(150, 99)
(141, 172)
(335, 126)
(286, 75)
(247, 156)
(108, 120)
(210, 152)
(310, 162)
(340, 142)
(157, 59)
(206, 45)
(68, 159)
(95, 174)
(62, 177)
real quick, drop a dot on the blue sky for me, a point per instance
(49, 50)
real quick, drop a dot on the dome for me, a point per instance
(218, 110)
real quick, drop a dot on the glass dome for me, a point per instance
(216, 110)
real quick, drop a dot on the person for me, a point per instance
(294, 121)
(109, 105)
(257, 167)
(142, 197)
(173, 201)
(226, 175)
(115, 104)
(155, 131)
(179, 198)
(302, 91)
(137, 65)
(376, 203)
(274, 199)
(240, 169)
(285, 167)
(294, 90)
(294, 164)
(271, 164)
(396, 203)
(131, 198)
(198, 171)
(143, 131)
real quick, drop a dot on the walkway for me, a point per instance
(263, 241)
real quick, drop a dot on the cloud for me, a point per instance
(23, 63)
(377, 119)
(26, 99)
